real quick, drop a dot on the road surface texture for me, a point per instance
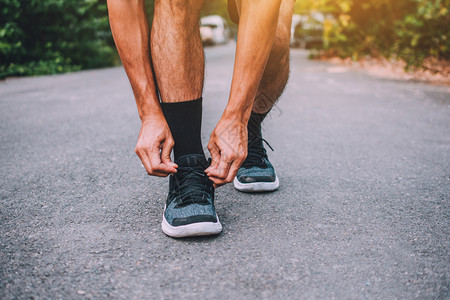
(362, 211)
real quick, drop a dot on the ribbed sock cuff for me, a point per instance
(185, 122)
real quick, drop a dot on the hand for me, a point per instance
(228, 148)
(154, 145)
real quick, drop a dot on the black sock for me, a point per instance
(185, 123)
(254, 128)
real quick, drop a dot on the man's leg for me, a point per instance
(257, 173)
(178, 63)
(177, 51)
(276, 73)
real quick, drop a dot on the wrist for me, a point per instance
(237, 113)
(147, 102)
(150, 113)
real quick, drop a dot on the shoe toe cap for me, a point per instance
(256, 176)
(194, 219)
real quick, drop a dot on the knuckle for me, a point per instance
(226, 156)
(170, 142)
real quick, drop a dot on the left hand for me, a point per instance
(228, 148)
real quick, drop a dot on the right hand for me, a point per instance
(154, 145)
(228, 148)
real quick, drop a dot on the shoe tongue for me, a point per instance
(192, 160)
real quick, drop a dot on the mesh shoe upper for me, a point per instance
(191, 193)
(256, 167)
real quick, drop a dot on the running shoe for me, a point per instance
(256, 173)
(189, 209)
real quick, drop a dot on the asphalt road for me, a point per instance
(362, 211)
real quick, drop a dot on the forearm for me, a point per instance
(257, 27)
(131, 35)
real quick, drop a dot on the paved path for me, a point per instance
(362, 211)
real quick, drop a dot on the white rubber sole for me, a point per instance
(256, 186)
(194, 229)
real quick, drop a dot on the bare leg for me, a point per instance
(276, 73)
(176, 50)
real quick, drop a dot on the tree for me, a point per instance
(53, 36)
(407, 29)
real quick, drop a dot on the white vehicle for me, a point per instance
(297, 20)
(307, 30)
(214, 30)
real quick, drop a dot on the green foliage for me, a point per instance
(53, 36)
(216, 7)
(149, 9)
(424, 32)
(407, 29)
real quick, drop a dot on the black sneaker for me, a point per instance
(256, 173)
(189, 209)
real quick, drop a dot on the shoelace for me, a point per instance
(256, 153)
(190, 186)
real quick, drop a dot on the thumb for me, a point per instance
(165, 153)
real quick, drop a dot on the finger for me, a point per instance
(214, 164)
(221, 171)
(233, 171)
(156, 163)
(231, 174)
(160, 174)
(165, 153)
(215, 156)
(144, 159)
(146, 163)
(217, 182)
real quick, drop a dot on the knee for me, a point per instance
(174, 6)
(184, 11)
(280, 49)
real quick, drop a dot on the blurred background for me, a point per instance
(54, 36)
